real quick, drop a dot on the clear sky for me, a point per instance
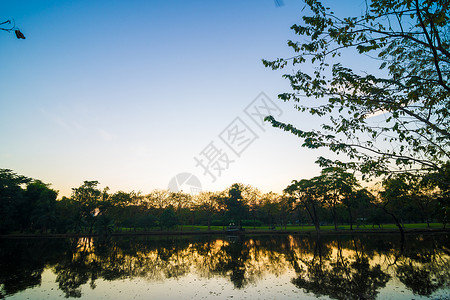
(129, 92)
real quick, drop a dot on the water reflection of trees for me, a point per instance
(23, 261)
(341, 276)
(424, 267)
(341, 268)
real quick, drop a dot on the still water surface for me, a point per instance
(227, 267)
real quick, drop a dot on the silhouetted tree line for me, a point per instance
(341, 267)
(334, 197)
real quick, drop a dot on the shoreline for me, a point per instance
(222, 232)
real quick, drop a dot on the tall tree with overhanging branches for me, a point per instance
(337, 187)
(409, 40)
(88, 197)
(307, 194)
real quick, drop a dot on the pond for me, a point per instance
(374, 266)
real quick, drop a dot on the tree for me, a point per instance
(440, 181)
(158, 199)
(409, 41)
(68, 215)
(409, 198)
(182, 202)
(337, 186)
(359, 207)
(270, 207)
(208, 203)
(88, 197)
(236, 208)
(41, 205)
(11, 198)
(286, 207)
(424, 196)
(395, 198)
(168, 219)
(104, 226)
(306, 193)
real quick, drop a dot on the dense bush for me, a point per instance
(254, 223)
(218, 222)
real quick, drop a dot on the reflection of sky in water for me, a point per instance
(251, 268)
(190, 286)
(193, 287)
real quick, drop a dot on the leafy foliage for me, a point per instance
(168, 218)
(11, 198)
(409, 39)
(333, 197)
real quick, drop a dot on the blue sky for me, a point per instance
(129, 92)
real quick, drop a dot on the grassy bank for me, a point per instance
(293, 228)
(290, 229)
(324, 227)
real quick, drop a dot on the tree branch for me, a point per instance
(433, 49)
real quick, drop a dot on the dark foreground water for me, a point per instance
(221, 267)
